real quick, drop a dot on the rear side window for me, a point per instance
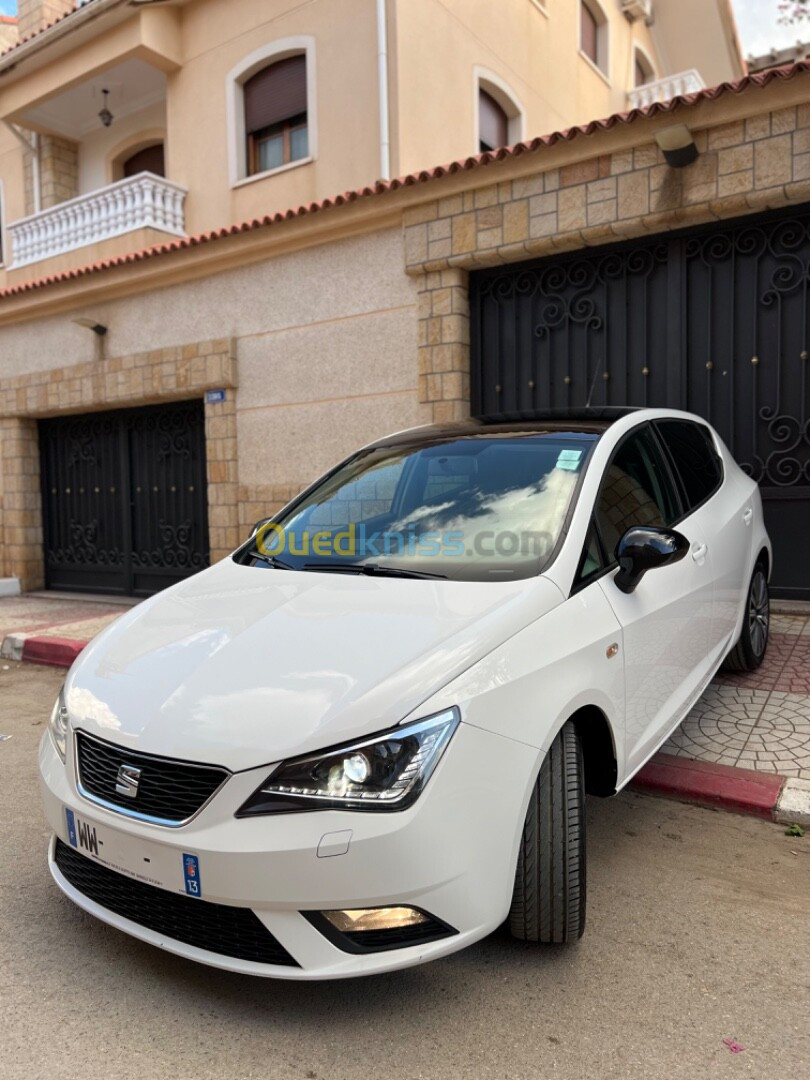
(696, 461)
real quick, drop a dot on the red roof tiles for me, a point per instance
(30, 37)
(760, 79)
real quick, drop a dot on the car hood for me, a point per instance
(243, 666)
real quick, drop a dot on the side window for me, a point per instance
(636, 490)
(695, 459)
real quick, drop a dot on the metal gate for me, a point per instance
(714, 321)
(124, 498)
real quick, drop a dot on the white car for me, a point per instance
(363, 741)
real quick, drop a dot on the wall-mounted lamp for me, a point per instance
(678, 145)
(91, 324)
(105, 116)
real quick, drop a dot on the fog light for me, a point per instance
(365, 919)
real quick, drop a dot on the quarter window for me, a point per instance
(696, 461)
(276, 115)
(637, 490)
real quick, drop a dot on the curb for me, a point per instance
(722, 787)
(52, 651)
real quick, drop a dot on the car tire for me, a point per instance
(548, 904)
(749, 652)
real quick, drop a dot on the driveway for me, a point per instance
(698, 933)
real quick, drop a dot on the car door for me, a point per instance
(667, 620)
(718, 507)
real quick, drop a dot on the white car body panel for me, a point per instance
(239, 667)
(244, 667)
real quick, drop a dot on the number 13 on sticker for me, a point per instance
(191, 874)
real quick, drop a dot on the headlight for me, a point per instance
(385, 772)
(58, 725)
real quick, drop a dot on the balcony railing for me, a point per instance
(685, 82)
(144, 201)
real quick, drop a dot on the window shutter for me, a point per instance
(493, 123)
(276, 93)
(151, 159)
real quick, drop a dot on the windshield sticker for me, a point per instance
(569, 460)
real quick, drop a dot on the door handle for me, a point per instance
(699, 552)
(748, 516)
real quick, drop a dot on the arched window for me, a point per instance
(276, 115)
(493, 123)
(593, 40)
(148, 159)
(500, 117)
(271, 98)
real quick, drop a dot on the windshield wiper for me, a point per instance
(270, 560)
(370, 569)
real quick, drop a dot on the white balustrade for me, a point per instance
(144, 201)
(685, 82)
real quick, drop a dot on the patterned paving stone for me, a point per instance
(760, 720)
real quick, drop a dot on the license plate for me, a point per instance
(153, 864)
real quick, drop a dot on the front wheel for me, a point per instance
(749, 652)
(548, 903)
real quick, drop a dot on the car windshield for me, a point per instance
(472, 508)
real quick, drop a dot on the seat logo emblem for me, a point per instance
(129, 777)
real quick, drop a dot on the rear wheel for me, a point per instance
(548, 903)
(749, 652)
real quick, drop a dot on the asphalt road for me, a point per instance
(698, 931)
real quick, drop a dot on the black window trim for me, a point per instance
(610, 558)
(680, 485)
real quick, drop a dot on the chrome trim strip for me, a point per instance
(125, 812)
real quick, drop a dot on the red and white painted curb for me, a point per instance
(54, 651)
(767, 795)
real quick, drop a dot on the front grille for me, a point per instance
(217, 928)
(169, 792)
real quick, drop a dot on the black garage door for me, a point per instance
(124, 498)
(716, 321)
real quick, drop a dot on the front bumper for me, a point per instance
(452, 855)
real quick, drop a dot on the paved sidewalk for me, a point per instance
(759, 721)
(25, 620)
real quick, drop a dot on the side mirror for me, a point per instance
(646, 547)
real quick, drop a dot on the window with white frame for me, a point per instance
(271, 109)
(499, 116)
(593, 34)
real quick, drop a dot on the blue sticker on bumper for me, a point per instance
(71, 827)
(191, 874)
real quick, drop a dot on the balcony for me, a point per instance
(144, 201)
(684, 82)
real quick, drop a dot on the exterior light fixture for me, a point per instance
(105, 116)
(91, 324)
(678, 145)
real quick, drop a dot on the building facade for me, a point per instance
(155, 400)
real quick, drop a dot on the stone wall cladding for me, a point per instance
(751, 165)
(59, 170)
(176, 373)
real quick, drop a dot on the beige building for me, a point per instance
(168, 376)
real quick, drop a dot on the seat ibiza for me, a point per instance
(364, 740)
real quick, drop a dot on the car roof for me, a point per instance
(593, 422)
